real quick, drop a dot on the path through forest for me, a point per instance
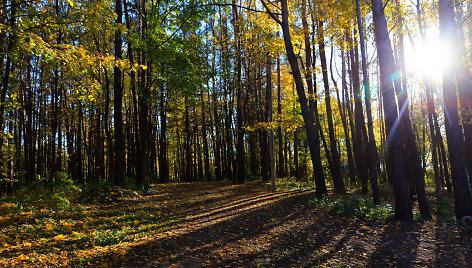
(244, 225)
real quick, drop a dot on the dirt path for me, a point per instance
(220, 225)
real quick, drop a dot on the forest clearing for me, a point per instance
(235, 133)
(219, 225)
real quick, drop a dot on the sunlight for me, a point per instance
(428, 59)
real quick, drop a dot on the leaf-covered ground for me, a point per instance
(217, 224)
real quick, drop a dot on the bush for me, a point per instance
(106, 194)
(293, 184)
(356, 206)
(444, 210)
(41, 195)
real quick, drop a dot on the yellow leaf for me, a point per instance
(135, 223)
(59, 237)
(121, 252)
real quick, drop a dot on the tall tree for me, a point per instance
(308, 118)
(396, 171)
(462, 198)
(118, 101)
(371, 148)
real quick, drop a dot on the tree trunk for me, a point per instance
(240, 154)
(336, 168)
(394, 143)
(163, 163)
(280, 165)
(359, 127)
(371, 149)
(312, 132)
(270, 119)
(119, 165)
(462, 198)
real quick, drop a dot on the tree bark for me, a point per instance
(119, 165)
(336, 168)
(397, 174)
(312, 132)
(462, 198)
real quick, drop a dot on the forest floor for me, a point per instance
(220, 225)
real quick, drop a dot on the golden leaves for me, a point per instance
(59, 237)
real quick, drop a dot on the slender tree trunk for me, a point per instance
(359, 126)
(434, 145)
(397, 174)
(431, 110)
(270, 119)
(119, 165)
(312, 132)
(371, 149)
(280, 165)
(240, 154)
(143, 103)
(342, 108)
(206, 154)
(336, 168)
(408, 134)
(163, 163)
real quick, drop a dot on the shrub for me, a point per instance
(41, 195)
(356, 206)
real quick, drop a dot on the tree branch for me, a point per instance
(272, 15)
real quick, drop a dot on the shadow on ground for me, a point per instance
(222, 225)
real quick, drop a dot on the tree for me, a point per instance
(462, 198)
(308, 118)
(118, 101)
(396, 171)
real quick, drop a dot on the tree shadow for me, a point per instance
(209, 241)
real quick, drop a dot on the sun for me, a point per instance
(428, 59)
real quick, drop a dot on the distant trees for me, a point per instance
(187, 91)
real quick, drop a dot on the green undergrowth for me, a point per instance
(356, 206)
(39, 194)
(444, 210)
(293, 184)
(106, 194)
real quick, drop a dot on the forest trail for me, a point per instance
(222, 225)
(217, 224)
